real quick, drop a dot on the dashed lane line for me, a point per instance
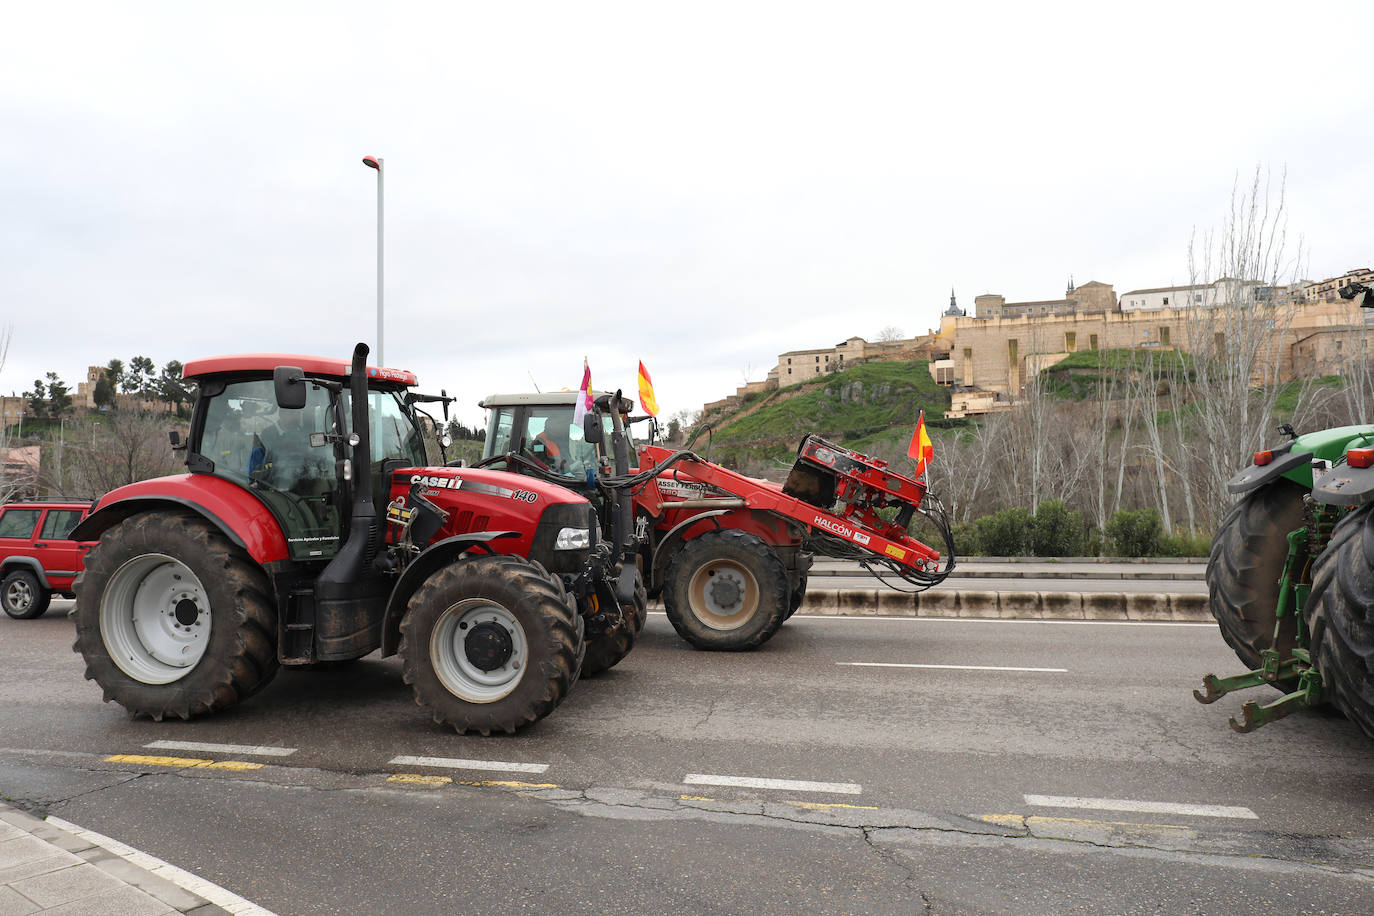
(458, 763)
(1141, 807)
(248, 750)
(761, 782)
(952, 667)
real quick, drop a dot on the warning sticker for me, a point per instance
(894, 551)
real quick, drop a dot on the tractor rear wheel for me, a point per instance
(1340, 617)
(726, 590)
(1243, 572)
(798, 595)
(173, 619)
(606, 650)
(23, 596)
(490, 644)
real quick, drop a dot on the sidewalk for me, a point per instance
(54, 867)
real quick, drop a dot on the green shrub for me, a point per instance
(1134, 534)
(1185, 544)
(1057, 531)
(1008, 533)
(966, 540)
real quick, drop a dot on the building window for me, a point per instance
(1166, 300)
(1164, 336)
(1070, 342)
(1092, 341)
(827, 358)
(789, 360)
(789, 371)
(1011, 351)
(1197, 299)
(818, 359)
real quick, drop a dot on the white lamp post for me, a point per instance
(375, 162)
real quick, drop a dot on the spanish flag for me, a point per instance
(921, 448)
(646, 392)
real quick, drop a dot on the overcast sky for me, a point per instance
(699, 186)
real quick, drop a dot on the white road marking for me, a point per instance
(864, 618)
(456, 763)
(217, 895)
(1146, 807)
(252, 750)
(951, 667)
(760, 782)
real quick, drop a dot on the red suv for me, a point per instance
(37, 557)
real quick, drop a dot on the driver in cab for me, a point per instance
(550, 447)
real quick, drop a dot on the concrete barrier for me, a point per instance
(1148, 607)
(1061, 605)
(1019, 605)
(938, 603)
(1104, 606)
(1190, 607)
(979, 604)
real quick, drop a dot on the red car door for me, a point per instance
(60, 555)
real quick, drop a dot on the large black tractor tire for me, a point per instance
(23, 596)
(1246, 564)
(490, 644)
(726, 591)
(797, 597)
(607, 650)
(173, 619)
(1340, 617)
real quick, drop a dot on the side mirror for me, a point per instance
(289, 384)
(591, 428)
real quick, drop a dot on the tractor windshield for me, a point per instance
(544, 434)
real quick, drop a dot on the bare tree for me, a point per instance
(19, 477)
(890, 334)
(1237, 337)
(122, 447)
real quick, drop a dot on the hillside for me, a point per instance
(872, 402)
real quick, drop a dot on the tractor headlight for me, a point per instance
(572, 539)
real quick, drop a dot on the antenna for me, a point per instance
(537, 389)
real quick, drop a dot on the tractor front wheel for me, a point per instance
(1340, 617)
(490, 644)
(726, 590)
(173, 619)
(1246, 564)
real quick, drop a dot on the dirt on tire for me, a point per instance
(1340, 617)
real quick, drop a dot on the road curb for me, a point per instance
(1006, 605)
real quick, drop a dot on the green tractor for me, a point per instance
(1291, 574)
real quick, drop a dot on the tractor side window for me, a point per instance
(499, 423)
(258, 445)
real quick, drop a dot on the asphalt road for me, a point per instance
(1033, 767)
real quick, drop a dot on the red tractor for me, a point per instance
(729, 554)
(312, 529)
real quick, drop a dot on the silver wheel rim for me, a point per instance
(155, 619)
(723, 594)
(19, 596)
(448, 651)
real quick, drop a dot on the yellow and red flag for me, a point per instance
(921, 448)
(646, 392)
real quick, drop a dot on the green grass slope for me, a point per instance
(868, 402)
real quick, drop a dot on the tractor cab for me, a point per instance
(296, 459)
(538, 428)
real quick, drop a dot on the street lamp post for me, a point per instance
(375, 162)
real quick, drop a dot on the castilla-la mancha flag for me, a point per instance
(921, 448)
(646, 392)
(584, 395)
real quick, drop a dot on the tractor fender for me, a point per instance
(430, 560)
(244, 519)
(674, 538)
(1345, 486)
(1256, 475)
